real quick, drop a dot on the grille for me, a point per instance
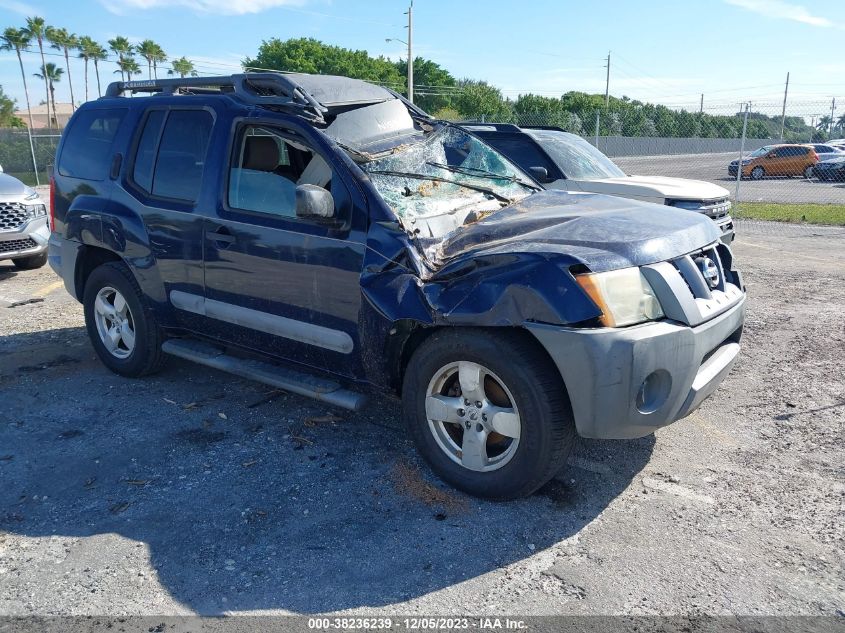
(12, 215)
(693, 276)
(715, 209)
(17, 245)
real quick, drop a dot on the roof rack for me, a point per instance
(263, 89)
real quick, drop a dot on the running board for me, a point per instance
(296, 382)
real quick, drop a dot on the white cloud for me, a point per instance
(219, 7)
(782, 10)
(18, 7)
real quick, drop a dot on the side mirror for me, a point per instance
(540, 174)
(314, 202)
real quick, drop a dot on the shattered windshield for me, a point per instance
(445, 181)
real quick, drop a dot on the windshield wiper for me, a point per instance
(482, 173)
(403, 174)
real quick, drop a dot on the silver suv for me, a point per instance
(23, 224)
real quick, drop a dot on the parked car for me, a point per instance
(831, 169)
(324, 236)
(825, 152)
(560, 160)
(23, 224)
(777, 160)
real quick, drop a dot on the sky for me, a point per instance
(661, 51)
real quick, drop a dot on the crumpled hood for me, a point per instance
(656, 186)
(11, 186)
(602, 232)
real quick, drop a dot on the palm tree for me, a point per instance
(128, 66)
(824, 123)
(14, 40)
(153, 53)
(52, 74)
(36, 28)
(183, 67)
(840, 123)
(99, 54)
(159, 58)
(63, 41)
(123, 49)
(88, 49)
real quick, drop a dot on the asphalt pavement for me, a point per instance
(192, 491)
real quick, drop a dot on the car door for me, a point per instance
(275, 282)
(163, 183)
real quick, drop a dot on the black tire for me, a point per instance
(30, 263)
(547, 433)
(146, 356)
(757, 173)
(808, 172)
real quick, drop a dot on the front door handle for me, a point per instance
(222, 236)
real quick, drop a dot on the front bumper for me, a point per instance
(726, 226)
(605, 370)
(25, 241)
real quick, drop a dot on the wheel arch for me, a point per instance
(409, 337)
(89, 259)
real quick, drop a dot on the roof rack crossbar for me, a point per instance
(268, 89)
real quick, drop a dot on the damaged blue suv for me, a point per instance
(323, 235)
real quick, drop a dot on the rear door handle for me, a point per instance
(222, 236)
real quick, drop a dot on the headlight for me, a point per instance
(35, 210)
(624, 296)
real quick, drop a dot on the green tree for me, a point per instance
(53, 75)
(152, 53)
(36, 28)
(128, 66)
(434, 86)
(63, 41)
(98, 54)
(16, 40)
(121, 47)
(478, 99)
(308, 55)
(183, 67)
(7, 112)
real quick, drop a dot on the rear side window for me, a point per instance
(86, 151)
(169, 162)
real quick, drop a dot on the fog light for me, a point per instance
(654, 391)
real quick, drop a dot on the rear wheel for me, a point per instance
(757, 173)
(808, 172)
(488, 412)
(30, 263)
(122, 329)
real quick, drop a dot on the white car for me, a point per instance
(560, 160)
(826, 151)
(23, 224)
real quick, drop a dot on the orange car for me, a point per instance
(777, 160)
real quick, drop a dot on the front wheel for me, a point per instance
(488, 411)
(122, 329)
(30, 263)
(757, 173)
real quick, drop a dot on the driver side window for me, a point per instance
(266, 169)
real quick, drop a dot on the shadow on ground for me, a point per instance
(281, 504)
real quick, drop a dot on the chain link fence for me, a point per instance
(26, 156)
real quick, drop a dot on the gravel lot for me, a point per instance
(714, 168)
(195, 492)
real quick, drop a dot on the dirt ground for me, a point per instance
(195, 492)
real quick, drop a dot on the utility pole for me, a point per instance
(607, 84)
(783, 114)
(741, 152)
(701, 107)
(832, 108)
(411, 52)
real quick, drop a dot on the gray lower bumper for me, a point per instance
(31, 239)
(605, 371)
